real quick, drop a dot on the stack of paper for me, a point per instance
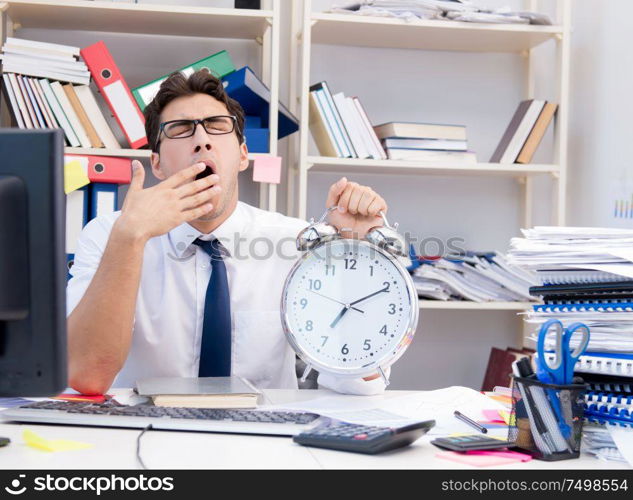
(45, 60)
(475, 277)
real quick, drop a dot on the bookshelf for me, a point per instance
(320, 28)
(261, 26)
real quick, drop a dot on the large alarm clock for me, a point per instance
(349, 307)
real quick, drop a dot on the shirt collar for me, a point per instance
(229, 232)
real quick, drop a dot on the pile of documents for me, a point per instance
(586, 275)
(457, 10)
(483, 277)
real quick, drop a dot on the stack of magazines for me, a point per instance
(585, 274)
(477, 277)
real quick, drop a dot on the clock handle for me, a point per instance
(382, 374)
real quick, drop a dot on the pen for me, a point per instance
(470, 422)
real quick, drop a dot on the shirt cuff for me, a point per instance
(355, 386)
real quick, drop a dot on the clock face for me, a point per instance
(349, 307)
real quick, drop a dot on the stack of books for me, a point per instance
(525, 132)
(48, 95)
(586, 275)
(473, 276)
(340, 125)
(428, 142)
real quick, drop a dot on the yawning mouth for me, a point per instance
(205, 173)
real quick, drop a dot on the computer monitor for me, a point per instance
(32, 263)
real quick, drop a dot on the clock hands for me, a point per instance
(338, 301)
(349, 306)
(370, 295)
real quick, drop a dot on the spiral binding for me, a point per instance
(607, 306)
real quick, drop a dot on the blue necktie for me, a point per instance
(215, 350)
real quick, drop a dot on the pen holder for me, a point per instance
(547, 418)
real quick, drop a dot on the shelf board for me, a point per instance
(127, 153)
(366, 31)
(478, 306)
(358, 166)
(151, 19)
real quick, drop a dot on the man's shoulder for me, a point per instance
(101, 225)
(266, 220)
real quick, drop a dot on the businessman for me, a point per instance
(182, 281)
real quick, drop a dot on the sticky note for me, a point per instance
(74, 176)
(38, 442)
(267, 169)
(493, 416)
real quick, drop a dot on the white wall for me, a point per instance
(478, 90)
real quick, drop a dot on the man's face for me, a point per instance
(223, 154)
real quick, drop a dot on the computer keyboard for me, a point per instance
(111, 414)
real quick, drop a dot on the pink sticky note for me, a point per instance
(477, 460)
(493, 416)
(267, 169)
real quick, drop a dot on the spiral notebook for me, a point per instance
(620, 400)
(608, 414)
(577, 276)
(604, 363)
(612, 306)
(598, 383)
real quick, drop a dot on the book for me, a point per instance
(334, 119)
(429, 155)
(48, 113)
(219, 65)
(431, 144)
(537, 133)
(203, 392)
(15, 109)
(517, 131)
(69, 111)
(29, 103)
(331, 123)
(321, 133)
(57, 110)
(350, 121)
(43, 47)
(93, 137)
(42, 72)
(420, 131)
(98, 120)
(19, 96)
(378, 152)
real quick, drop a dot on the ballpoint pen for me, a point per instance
(470, 422)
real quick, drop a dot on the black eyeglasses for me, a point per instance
(181, 129)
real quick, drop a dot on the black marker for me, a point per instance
(470, 422)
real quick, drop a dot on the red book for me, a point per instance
(116, 93)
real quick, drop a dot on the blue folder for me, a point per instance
(104, 198)
(244, 86)
(257, 139)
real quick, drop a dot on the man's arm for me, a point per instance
(100, 327)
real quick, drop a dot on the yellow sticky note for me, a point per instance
(38, 442)
(505, 415)
(74, 176)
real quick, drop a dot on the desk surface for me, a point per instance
(116, 449)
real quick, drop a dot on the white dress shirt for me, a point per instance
(260, 251)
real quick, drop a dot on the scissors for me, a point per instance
(561, 369)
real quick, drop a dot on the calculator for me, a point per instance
(471, 443)
(362, 438)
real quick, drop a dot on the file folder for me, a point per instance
(76, 219)
(106, 169)
(246, 88)
(257, 139)
(104, 199)
(116, 93)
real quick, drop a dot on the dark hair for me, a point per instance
(177, 85)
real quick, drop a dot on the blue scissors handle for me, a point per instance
(561, 369)
(570, 357)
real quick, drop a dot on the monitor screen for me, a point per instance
(32, 263)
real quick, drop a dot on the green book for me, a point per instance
(219, 65)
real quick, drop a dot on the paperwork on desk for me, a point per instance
(611, 443)
(397, 411)
(478, 278)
